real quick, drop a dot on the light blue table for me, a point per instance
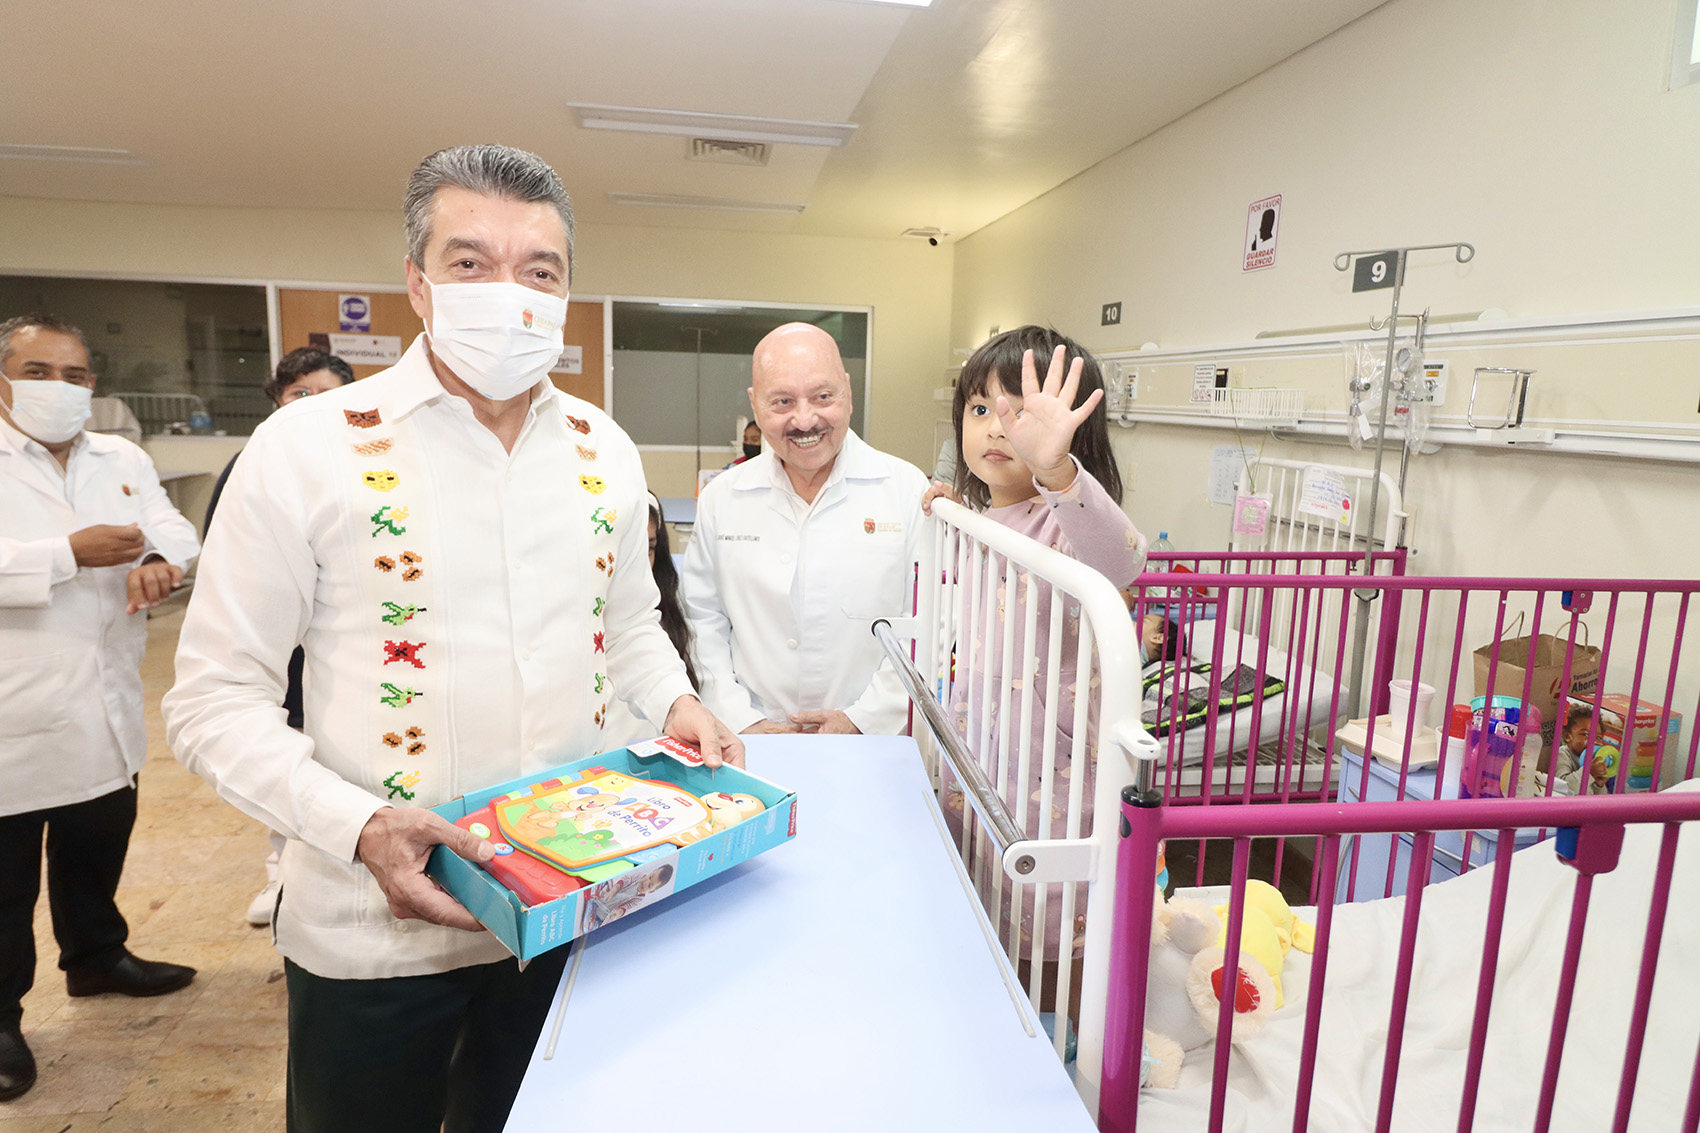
(838, 982)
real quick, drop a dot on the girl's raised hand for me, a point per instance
(1044, 429)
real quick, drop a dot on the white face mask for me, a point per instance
(51, 412)
(499, 338)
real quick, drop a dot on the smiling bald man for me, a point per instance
(796, 550)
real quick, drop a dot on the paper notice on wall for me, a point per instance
(571, 361)
(1262, 230)
(367, 349)
(1323, 493)
(1228, 466)
(1204, 382)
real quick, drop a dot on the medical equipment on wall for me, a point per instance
(1378, 261)
(1518, 400)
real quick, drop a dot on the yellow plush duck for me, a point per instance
(1268, 931)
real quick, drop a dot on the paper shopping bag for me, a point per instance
(1541, 660)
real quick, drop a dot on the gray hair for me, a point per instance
(490, 171)
(40, 320)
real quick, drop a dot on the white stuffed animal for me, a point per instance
(1183, 994)
(1180, 929)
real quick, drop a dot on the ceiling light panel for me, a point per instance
(94, 155)
(713, 204)
(730, 127)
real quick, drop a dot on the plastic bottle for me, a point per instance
(1457, 750)
(1161, 547)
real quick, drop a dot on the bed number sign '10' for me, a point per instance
(1372, 273)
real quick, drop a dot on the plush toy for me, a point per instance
(1186, 978)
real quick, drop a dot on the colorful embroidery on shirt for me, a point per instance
(595, 485)
(411, 570)
(384, 563)
(387, 519)
(398, 782)
(602, 520)
(399, 614)
(596, 610)
(602, 716)
(586, 453)
(380, 480)
(363, 418)
(601, 680)
(596, 642)
(398, 696)
(579, 424)
(373, 448)
(128, 492)
(407, 651)
(605, 564)
(414, 739)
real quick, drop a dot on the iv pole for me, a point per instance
(1464, 253)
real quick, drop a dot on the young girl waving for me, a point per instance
(1035, 457)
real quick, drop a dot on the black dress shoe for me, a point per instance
(17, 1064)
(130, 976)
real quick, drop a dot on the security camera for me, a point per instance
(933, 240)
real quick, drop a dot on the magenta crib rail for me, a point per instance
(1289, 620)
(1598, 822)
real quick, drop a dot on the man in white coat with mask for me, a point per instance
(796, 551)
(460, 550)
(88, 543)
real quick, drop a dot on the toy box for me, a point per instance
(658, 871)
(1637, 758)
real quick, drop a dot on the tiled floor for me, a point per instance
(210, 1057)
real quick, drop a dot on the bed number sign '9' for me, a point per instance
(1372, 273)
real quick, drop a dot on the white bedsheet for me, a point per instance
(1312, 688)
(1264, 1070)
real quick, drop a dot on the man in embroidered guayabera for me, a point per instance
(447, 541)
(88, 542)
(797, 550)
(300, 373)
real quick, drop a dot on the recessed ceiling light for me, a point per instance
(716, 204)
(732, 127)
(91, 154)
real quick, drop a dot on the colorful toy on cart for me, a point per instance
(558, 835)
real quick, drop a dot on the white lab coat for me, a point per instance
(71, 724)
(781, 596)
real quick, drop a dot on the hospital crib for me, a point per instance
(1296, 610)
(1475, 1004)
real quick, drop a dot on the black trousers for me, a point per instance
(415, 1054)
(86, 844)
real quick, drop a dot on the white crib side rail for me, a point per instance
(1108, 650)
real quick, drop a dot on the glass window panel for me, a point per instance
(185, 357)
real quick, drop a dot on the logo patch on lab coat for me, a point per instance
(889, 527)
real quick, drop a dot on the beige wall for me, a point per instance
(1538, 130)
(906, 282)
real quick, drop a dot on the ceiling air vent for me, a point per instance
(727, 152)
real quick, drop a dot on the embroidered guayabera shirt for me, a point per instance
(466, 613)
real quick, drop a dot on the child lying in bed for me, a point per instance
(1036, 457)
